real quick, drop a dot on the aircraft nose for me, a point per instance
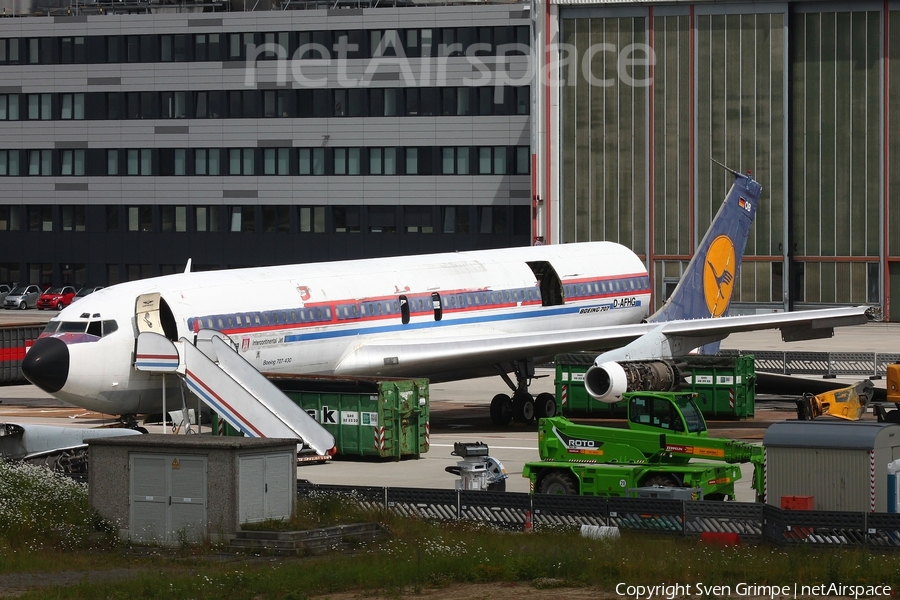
(46, 365)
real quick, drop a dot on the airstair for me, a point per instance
(231, 387)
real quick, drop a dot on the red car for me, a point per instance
(57, 297)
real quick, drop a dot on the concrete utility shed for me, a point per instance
(168, 488)
(841, 464)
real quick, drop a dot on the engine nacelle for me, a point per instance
(608, 381)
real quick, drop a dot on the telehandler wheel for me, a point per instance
(501, 410)
(523, 408)
(662, 479)
(545, 405)
(559, 483)
(715, 497)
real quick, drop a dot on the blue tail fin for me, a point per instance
(705, 288)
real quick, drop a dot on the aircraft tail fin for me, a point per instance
(707, 284)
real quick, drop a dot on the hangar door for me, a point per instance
(167, 498)
(268, 484)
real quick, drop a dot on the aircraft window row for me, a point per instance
(315, 314)
(95, 328)
(363, 101)
(259, 219)
(298, 45)
(630, 284)
(464, 300)
(177, 162)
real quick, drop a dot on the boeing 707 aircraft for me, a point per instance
(442, 316)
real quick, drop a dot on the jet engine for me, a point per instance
(608, 381)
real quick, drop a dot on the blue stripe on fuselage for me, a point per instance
(535, 312)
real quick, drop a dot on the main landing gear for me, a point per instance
(522, 407)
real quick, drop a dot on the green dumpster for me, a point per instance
(725, 386)
(385, 418)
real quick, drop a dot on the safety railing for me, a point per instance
(826, 364)
(510, 510)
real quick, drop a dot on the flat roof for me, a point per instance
(830, 433)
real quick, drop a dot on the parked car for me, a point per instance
(56, 297)
(86, 290)
(23, 296)
(4, 292)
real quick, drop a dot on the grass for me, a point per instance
(418, 555)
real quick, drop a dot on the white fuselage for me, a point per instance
(348, 317)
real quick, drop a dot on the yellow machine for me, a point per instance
(847, 403)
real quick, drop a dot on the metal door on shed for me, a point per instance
(268, 483)
(167, 498)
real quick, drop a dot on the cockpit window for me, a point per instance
(72, 327)
(96, 328)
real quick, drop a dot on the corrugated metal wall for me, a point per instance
(837, 479)
(604, 134)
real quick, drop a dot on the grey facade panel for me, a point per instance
(71, 187)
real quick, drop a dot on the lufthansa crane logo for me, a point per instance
(718, 275)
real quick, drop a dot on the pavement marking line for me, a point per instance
(492, 447)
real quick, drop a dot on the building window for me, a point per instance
(492, 219)
(173, 105)
(311, 161)
(342, 161)
(39, 107)
(276, 218)
(140, 218)
(455, 219)
(112, 218)
(242, 219)
(455, 161)
(34, 51)
(523, 160)
(207, 161)
(208, 218)
(173, 48)
(9, 107)
(9, 50)
(138, 162)
(112, 162)
(382, 161)
(40, 162)
(173, 218)
(207, 47)
(417, 219)
(72, 218)
(382, 219)
(312, 219)
(72, 50)
(40, 218)
(240, 161)
(276, 161)
(71, 162)
(9, 162)
(276, 103)
(208, 105)
(71, 106)
(412, 161)
(345, 219)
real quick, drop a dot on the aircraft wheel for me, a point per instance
(545, 405)
(523, 408)
(559, 483)
(501, 410)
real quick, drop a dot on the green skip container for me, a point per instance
(385, 418)
(725, 386)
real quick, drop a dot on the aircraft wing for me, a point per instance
(446, 355)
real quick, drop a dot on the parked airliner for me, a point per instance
(443, 316)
